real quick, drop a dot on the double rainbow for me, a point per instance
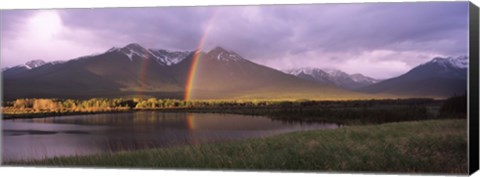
(197, 56)
(193, 66)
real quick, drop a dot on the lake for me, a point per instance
(27, 139)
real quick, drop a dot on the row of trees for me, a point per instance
(344, 112)
(104, 104)
(55, 105)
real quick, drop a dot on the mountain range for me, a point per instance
(333, 77)
(133, 70)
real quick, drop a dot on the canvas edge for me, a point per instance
(473, 113)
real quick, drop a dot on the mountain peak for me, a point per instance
(127, 48)
(133, 45)
(34, 63)
(133, 49)
(112, 49)
(218, 49)
(222, 54)
(161, 56)
(456, 62)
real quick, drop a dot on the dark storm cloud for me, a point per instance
(371, 26)
(281, 36)
(278, 30)
(172, 27)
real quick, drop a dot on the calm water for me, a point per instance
(103, 133)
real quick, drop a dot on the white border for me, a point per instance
(74, 172)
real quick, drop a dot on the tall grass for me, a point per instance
(434, 146)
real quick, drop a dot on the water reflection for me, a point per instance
(104, 133)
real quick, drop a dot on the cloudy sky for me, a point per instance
(380, 40)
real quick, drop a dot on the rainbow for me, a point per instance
(196, 57)
(143, 74)
(191, 73)
(191, 127)
(190, 122)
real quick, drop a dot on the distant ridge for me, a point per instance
(440, 77)
(333, 77)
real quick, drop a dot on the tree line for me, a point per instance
(33, 105)
(357, 111)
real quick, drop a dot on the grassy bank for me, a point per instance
(433, 146)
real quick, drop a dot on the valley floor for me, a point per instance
(428, 146)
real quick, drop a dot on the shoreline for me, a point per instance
(349, 115)
(55, 114)
(237, 107)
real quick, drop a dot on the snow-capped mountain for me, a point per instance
(25, 67)
(161, 56)
(314, 74)
(361, 78)
(333, 76)
(133, 50)
(28, 65)
(34, 63)
(442, 77)
(449, 67)
(225, 55)
(169, 57)
(460, 62)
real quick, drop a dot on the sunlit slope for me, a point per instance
(223, 74)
